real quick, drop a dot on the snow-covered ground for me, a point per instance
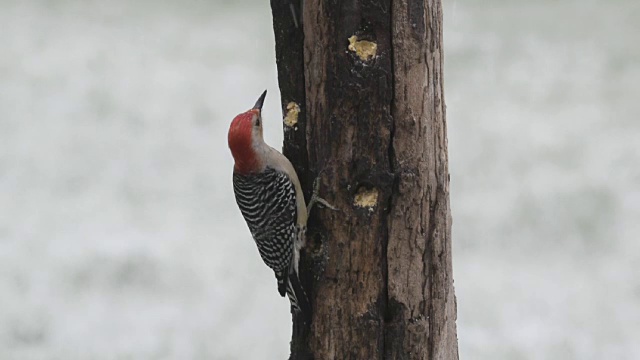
(120, 238)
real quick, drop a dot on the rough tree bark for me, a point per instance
(362, 96)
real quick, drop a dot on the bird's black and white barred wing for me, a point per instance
(267, 201)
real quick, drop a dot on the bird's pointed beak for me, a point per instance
(258, 105)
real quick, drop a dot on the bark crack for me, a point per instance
(428, 256)
(387, 315)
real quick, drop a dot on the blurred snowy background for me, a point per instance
(120, 238)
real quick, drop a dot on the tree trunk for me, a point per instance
(362, 95)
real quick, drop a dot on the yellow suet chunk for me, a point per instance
(366, 198)
(291, 119)
(365, 50)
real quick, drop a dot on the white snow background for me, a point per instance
(120, 237)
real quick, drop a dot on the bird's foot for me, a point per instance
(315, 198)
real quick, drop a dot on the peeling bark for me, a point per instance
(367, 77)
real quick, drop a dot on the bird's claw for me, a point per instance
(317, 199)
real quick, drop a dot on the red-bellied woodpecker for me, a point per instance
(270, 198)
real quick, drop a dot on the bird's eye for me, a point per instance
(257, 122)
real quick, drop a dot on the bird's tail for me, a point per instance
(291, 286)
(297, 296)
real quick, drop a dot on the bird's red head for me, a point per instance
(245, 133)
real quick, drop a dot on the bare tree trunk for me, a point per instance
(362, 95)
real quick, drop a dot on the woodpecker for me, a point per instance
(270, 198)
